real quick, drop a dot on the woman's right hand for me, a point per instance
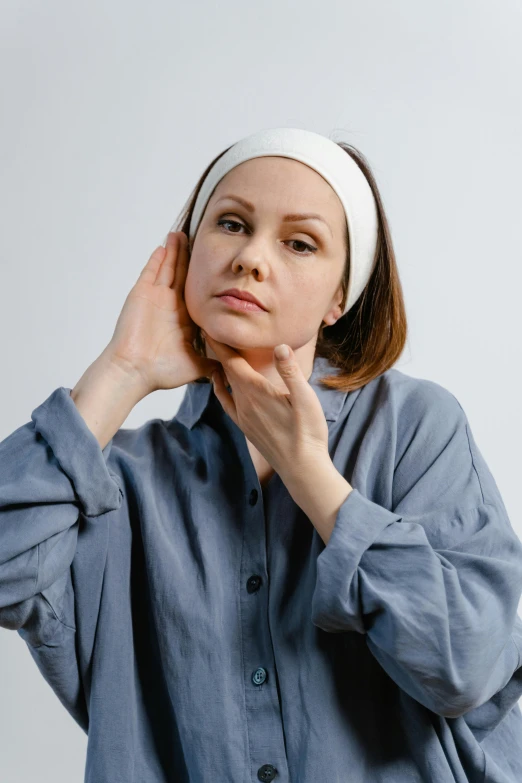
(154, 334)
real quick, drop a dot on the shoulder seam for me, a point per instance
(513, 639)
(474, 466)
(466, 425)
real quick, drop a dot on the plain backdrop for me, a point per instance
(110, 112)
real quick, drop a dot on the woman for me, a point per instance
(308, 572)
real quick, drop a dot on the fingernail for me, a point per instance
(282, 351)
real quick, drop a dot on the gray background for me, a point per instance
(110, 113)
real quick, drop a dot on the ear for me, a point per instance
(335, 312)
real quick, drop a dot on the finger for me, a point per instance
(293, 376)
(208, 366)
(167, 269)
(234, 365)
(150, 270)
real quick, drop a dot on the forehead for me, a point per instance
(282, 179)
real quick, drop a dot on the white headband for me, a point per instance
(334, 165)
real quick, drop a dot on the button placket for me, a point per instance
(264, 721)
(263, 709)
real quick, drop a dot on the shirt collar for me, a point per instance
(197, 396)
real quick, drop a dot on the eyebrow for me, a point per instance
(292, 218)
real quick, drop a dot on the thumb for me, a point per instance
(291, 372)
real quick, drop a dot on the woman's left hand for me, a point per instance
(289, 430)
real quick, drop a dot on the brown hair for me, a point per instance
(370, 337)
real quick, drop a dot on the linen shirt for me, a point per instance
(198, 629)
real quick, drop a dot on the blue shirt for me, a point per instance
(197, 627)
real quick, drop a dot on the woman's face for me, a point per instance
(294, 267)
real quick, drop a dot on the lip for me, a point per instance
(241, 305)
(245, 295)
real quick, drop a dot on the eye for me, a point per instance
(311, 248)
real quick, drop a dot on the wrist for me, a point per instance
(299, 471)
(320, 490)
(123, 374)
(104, 396)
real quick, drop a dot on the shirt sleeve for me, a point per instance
(52, 469)
(434, 581)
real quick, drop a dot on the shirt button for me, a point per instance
(259, 676)
(266, 772)
(254, 583)
(253, 497)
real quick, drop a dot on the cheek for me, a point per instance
(302, 293)
(200, 284)
(193, 293)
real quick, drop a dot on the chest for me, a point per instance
(263, 468)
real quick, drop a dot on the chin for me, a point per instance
(232, 333)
